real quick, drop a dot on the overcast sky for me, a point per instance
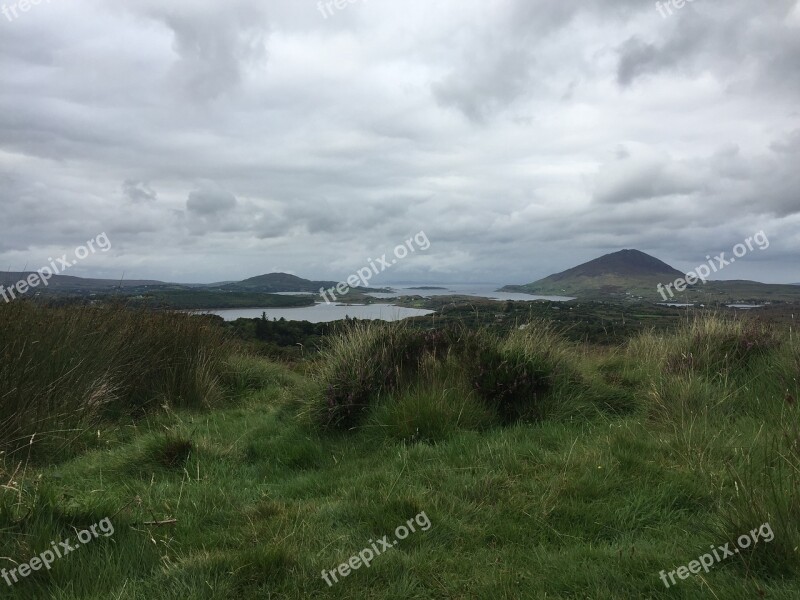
(218, 140)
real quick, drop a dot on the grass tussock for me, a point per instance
(242, 374)
(437, 404)
(512, 376)
(711, 345)
(766, 486)
(714, 366)
(525, 371)
(370, 360)
(65, 369)
(727, 388)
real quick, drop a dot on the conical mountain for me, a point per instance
(627, 272)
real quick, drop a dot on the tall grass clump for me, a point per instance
(712, 365)
(515, 374)
(721, 382)
(767, 481)
(437, 404)
(64, 369)
(367, 360)
(511, 375)
(244, 373)
(709, 345)
(767, 490)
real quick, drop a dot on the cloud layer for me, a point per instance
(215, 141)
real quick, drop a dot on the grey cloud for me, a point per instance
(718, 39)
(318, 142)
(138, 191)
(646, 177)
(789, 144)
(494, 81)
(215, 42)
(209, 201)
(636, 58)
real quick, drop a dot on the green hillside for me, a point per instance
(280, 282)
(513, 465)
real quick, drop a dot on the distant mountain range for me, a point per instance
(259, 291)
(69, 283)
(268, 284)
(632, 274)
(626, 275)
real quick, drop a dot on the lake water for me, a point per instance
(739, 306)
(323, 313)
(745, 306)
(479, 290)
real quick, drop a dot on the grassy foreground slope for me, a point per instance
(546, 469)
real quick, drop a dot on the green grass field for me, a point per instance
(546, 468)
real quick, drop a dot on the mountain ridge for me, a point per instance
(632, 274)
(267, 283)
(624, 262)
